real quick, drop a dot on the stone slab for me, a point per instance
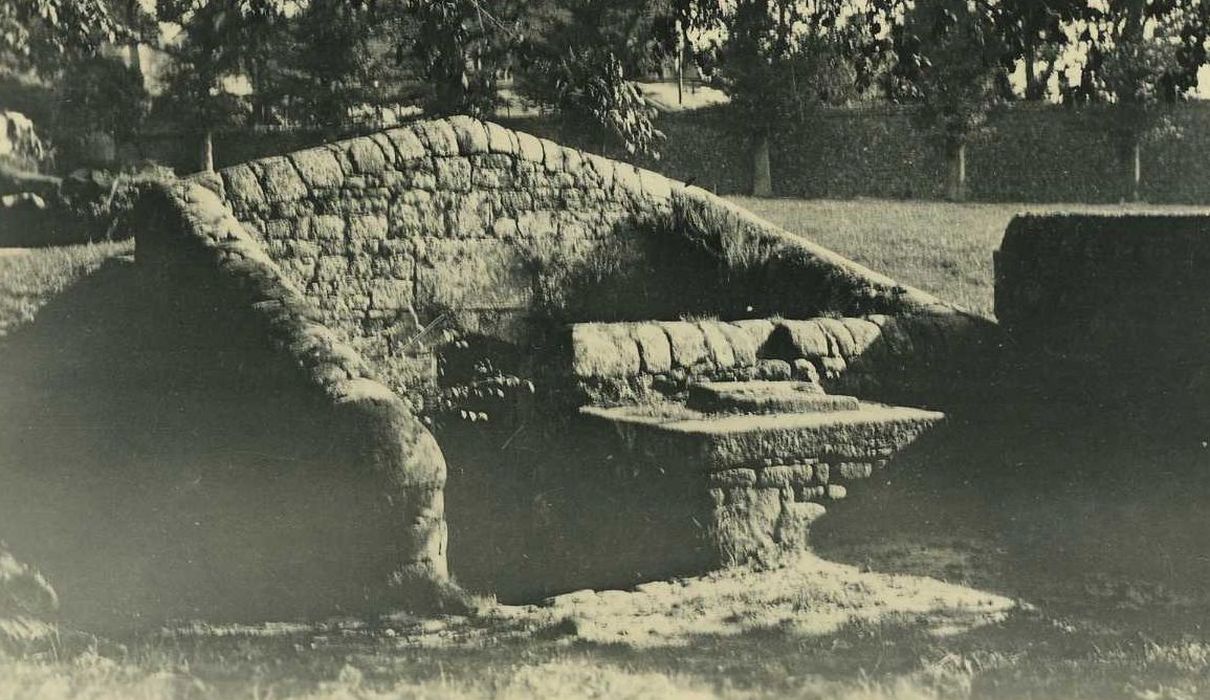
(715, 442)
(765, 397)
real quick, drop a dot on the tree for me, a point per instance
(331, 61)
(1142, 57)
(463, 48)
(576, 59)
(780, 60)
(949, 59)
(222, 40)
(1032, 32)
(38, 35)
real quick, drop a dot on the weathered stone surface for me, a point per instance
(500, 140)
(439, 135)
(807, 338)
(743, 344)
(484, 274)
(242, 187)
(865, 333)
(744, 531)
(407, 145)
(654, 347)
(765, 397)
(280, 181)
(840, 340)
(688, 343)
(730, 441)
(732, 477)
(362, 228)
(854, 470)
(367, 157)
(471, 135)
(454, 174)
(318, 167)
(718, 347)
(603, 350)
(529, 148)
(786, 476)
(794, 524)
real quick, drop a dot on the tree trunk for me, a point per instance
(207, 151)
(762, 178)
(1032, 91)
(680, 63)
(955, 190)
(1136, 179)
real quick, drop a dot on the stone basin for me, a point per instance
(762, 477)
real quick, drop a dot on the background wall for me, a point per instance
(1034, 153)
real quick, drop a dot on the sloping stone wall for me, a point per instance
(460, 223)
(384, 471)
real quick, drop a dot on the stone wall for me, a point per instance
(376, 469)
(1111, 308)
(465, 225)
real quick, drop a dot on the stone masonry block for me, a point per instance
(407, 145)
(718, 348)
(454, 174)
(840, 339)
(865, 333)
(280, 181)
(439, 136)
(807, 338)
(688, 343)
(603, 350)
(390, 294)
(732, 477)
(530, 148)
(366, 227)
(786, 475)
(367, 157)
(500, 139)
(328, 227)
(243, 188)
(471, 135)
(318, 167)
(743, 347)
(654, 348)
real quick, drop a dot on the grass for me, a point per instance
(30, 277)
(944, 249)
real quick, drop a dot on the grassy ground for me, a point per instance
(993, 561)
(29, 278)
(945, 249)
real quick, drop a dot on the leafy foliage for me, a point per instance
(949, 56)
(463, 48)
(39, 34)
(222, 39)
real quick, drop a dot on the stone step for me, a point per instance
(765, 397)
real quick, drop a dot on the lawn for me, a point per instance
(942, 248)
(986, 564)
(30, 277)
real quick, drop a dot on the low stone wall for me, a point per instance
(1108, 306)
(875, 356)
(193, 252)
